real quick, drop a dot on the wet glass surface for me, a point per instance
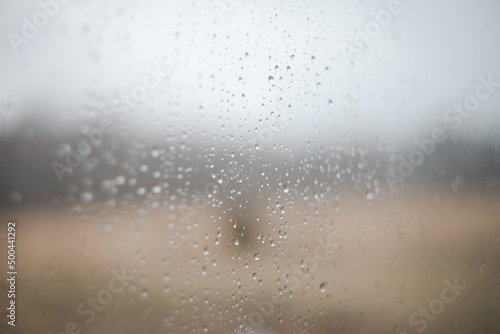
(230, 166)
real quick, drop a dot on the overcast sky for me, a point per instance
(236, 68)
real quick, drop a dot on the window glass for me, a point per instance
(230, 166)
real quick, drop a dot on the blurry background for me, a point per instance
(205, 146)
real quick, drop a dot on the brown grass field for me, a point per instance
(390, 257)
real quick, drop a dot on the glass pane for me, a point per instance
(230, 166)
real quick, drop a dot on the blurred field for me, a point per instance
(391, 257)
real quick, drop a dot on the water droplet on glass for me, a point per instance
(370, 195)
(120, 180)
(86, 197)
(16, 197)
